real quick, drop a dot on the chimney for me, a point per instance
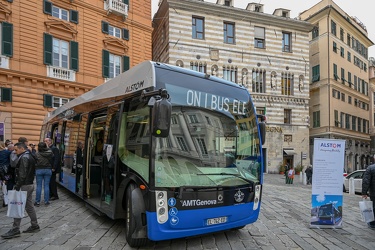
(256, 7)
(228, 3)
(282, 12)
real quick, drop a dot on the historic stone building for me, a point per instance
(339, 91)
(267, 53)
(52, 51)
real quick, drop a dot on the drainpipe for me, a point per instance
(329, 74)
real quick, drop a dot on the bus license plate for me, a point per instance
(218, 220)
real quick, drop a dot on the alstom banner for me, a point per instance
(327, 182)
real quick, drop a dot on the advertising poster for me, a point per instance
(327, 182)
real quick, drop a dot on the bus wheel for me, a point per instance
(130, 226)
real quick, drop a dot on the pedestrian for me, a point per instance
(291, 175)
(13, 156)
(368, 188)
(55, 169)
(32, 146)
(43, 172)
(79, 165)
(286, 169)
(309, 172)
(25, 169)
(5, 172)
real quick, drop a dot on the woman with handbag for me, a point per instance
(43, 172)
(6, 178)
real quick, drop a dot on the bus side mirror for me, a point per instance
(161, 117)
(262, 128)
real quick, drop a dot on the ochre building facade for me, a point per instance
(53, 51)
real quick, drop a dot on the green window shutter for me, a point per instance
(126, 2)
(47, 100)
(105, 27)
(7, 41)
(105, 63)
(10, 1)
(6, 94)
(47, 7)
(47, 49)
(126, 65)
(73, 16)
(125, 34)
(74, 55)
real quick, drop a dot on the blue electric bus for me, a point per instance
(174, 152)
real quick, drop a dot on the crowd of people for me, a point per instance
(20, 164)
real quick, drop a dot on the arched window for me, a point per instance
(230, 73)
(259, 81)
(198, 66)
(287, 83)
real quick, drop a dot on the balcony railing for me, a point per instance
(61, 73)
(116, 6)
(4, 62)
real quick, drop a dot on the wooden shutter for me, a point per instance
(125, 34)
(105, 63)
(74, 56)
(47, 100)
(126, 61)
(7, 41)
(105, 27)
(47, 7)
(47, 44)
(6, 94)
(126, 2)
(73, 16)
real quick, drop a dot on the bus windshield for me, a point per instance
(207, 148)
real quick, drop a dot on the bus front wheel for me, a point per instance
(131, 221)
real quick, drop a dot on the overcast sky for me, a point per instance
(362, 9)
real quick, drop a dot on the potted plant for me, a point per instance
(281, 168)
(298, 169)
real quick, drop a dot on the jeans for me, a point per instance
(42, 175)
(29, 208)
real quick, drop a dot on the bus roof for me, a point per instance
(141, 76)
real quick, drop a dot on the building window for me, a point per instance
(181, 142)
(230, 74)
(198, 66)
(59, 101)
(342, 116)
(359, 124)
(174, 120)
(286, 83)
(262, 110)
(316, 73)
(316, 119)
(343, 97)
(336, 113)
(335, 75)
(349, 56)
(259, 37)
(202, 146)
(60, 13)
(333, 27)
(259, 81)
(193, 119)
(229, 33)
(60, 53)
(342, 52)
(349, 99)
(315, 32)
(113, 31)
(6, 40)
(334, 47)
(343, 76)
(350, 79)
(287, 116)
(341, 34)
(114, 65)
(354, 123)
(348, 39)
(287, 42)
(347, 121)
(198, 28)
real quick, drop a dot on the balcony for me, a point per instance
(116, 6)
(4, 62)
(61, 73)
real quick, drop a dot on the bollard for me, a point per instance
(351, 186)
(301, 177)
(304, 179)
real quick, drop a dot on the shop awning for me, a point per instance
(289, 152)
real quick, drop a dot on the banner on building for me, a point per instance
(327, 182)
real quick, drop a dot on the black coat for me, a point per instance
(368, 181)
(25, 169)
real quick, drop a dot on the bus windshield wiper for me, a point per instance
(229, 174)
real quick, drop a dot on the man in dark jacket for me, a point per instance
(25, 169)
(368, 186)
(55, 168)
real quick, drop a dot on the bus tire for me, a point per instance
(131, 222)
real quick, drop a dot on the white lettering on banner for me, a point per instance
(215, 102)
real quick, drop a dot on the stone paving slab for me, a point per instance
(283, 224)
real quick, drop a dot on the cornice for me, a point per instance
(242, 15)
(111, 41)
(61, 26)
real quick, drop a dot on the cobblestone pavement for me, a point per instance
(283, 224)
